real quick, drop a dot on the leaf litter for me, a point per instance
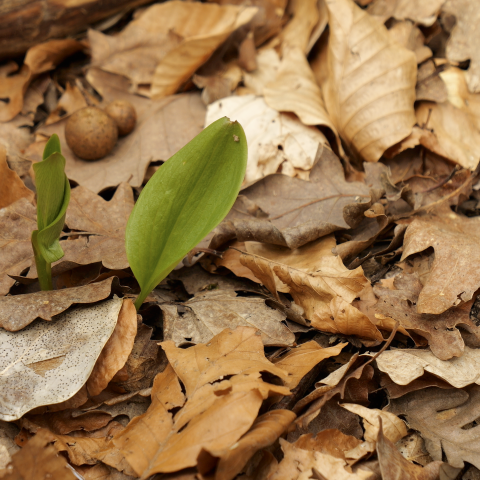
(328, 327)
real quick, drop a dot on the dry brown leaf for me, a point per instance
(11, 186)
(18, 311)
(71, 100)
(12, 89)
(264, 432)
(38, 459)
(464, 37)
(441, 417)
(16, 138)
(424, 12)
(430, 84)
(163, 127)
(8, 447)
(219, 85)
(208, 313)
(369, 91)
(402, 304)
(275, 139)
(300, 360)
(291, 212)
(116, 351)
(268, 63)
(453, 237)
(394, 466)
(411, 37)
(405, 365)
(412, 448)
(47, 363)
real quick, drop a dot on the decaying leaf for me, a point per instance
(423, 12)
(441, 417)
(406, 365)
(369, 91)
(47, 363)
(291, 212)
(274, 139)
(18, 311)
(11, 186)
(208, 313)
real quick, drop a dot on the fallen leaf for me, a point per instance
(208, 313)
(463, 38)
(11, 186)
(8, 447)
(163, 127)
(402, 304)
(369, 91)
(268, 63)
(71, 100)
(441, 417)
(18, 311)
(291, 212)
(452, 236)
(411, 37)
(430, 84)
(264, 432)
(38, 459)
(46, 364)
(116, 351)
(16, 138)
(405, 365)
(300, 360)
(425, 12)
(393, 465)
(274, 138)
(412, 448)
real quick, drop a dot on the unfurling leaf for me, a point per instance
(187, 197)
(53, 195)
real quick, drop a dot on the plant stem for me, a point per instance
(140, 299)
(44, 271)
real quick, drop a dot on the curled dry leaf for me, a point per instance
(163, 127)
(264, 432)
(369, 91)
(404, 366)
(274, 139)
(208, 313)
(71, 100)
(441, 417)
(18, 311)
(116, 351)
(291, 212)
(12, 187)
(47, 363)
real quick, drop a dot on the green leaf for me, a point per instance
(53, 195)
(186, 198)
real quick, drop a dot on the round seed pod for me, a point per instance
(124, 115)
(91, 133)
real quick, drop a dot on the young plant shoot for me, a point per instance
(186, 198)
(53, 195)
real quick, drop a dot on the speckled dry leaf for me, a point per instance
(16, 225)
(461, 45)
(404, 366)
(369, 91)
(18, 311)
(441, 417)
(402, 304)
(291, 212)
(274, 138)
(39, 459)
(264, 432)
(300, 464)
(412, 447)
(393, 427)
(424, 12)
(12, 187)
(47, 363)
(300, 360)
(163, 127)
(296, 90)
(116, 351)
(453, 276)
(208, 313)
(394, 466)
(325, 294)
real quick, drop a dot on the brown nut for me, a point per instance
(91, 133)
(124, 115)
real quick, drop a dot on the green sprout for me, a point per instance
(53, 195)
(188, 196)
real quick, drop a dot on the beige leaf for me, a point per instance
(370, 88)
(47, 363)
(71, 100)
(424, 12)
(404, 366)
(393, 427)
(273, 138)
(268, 63)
